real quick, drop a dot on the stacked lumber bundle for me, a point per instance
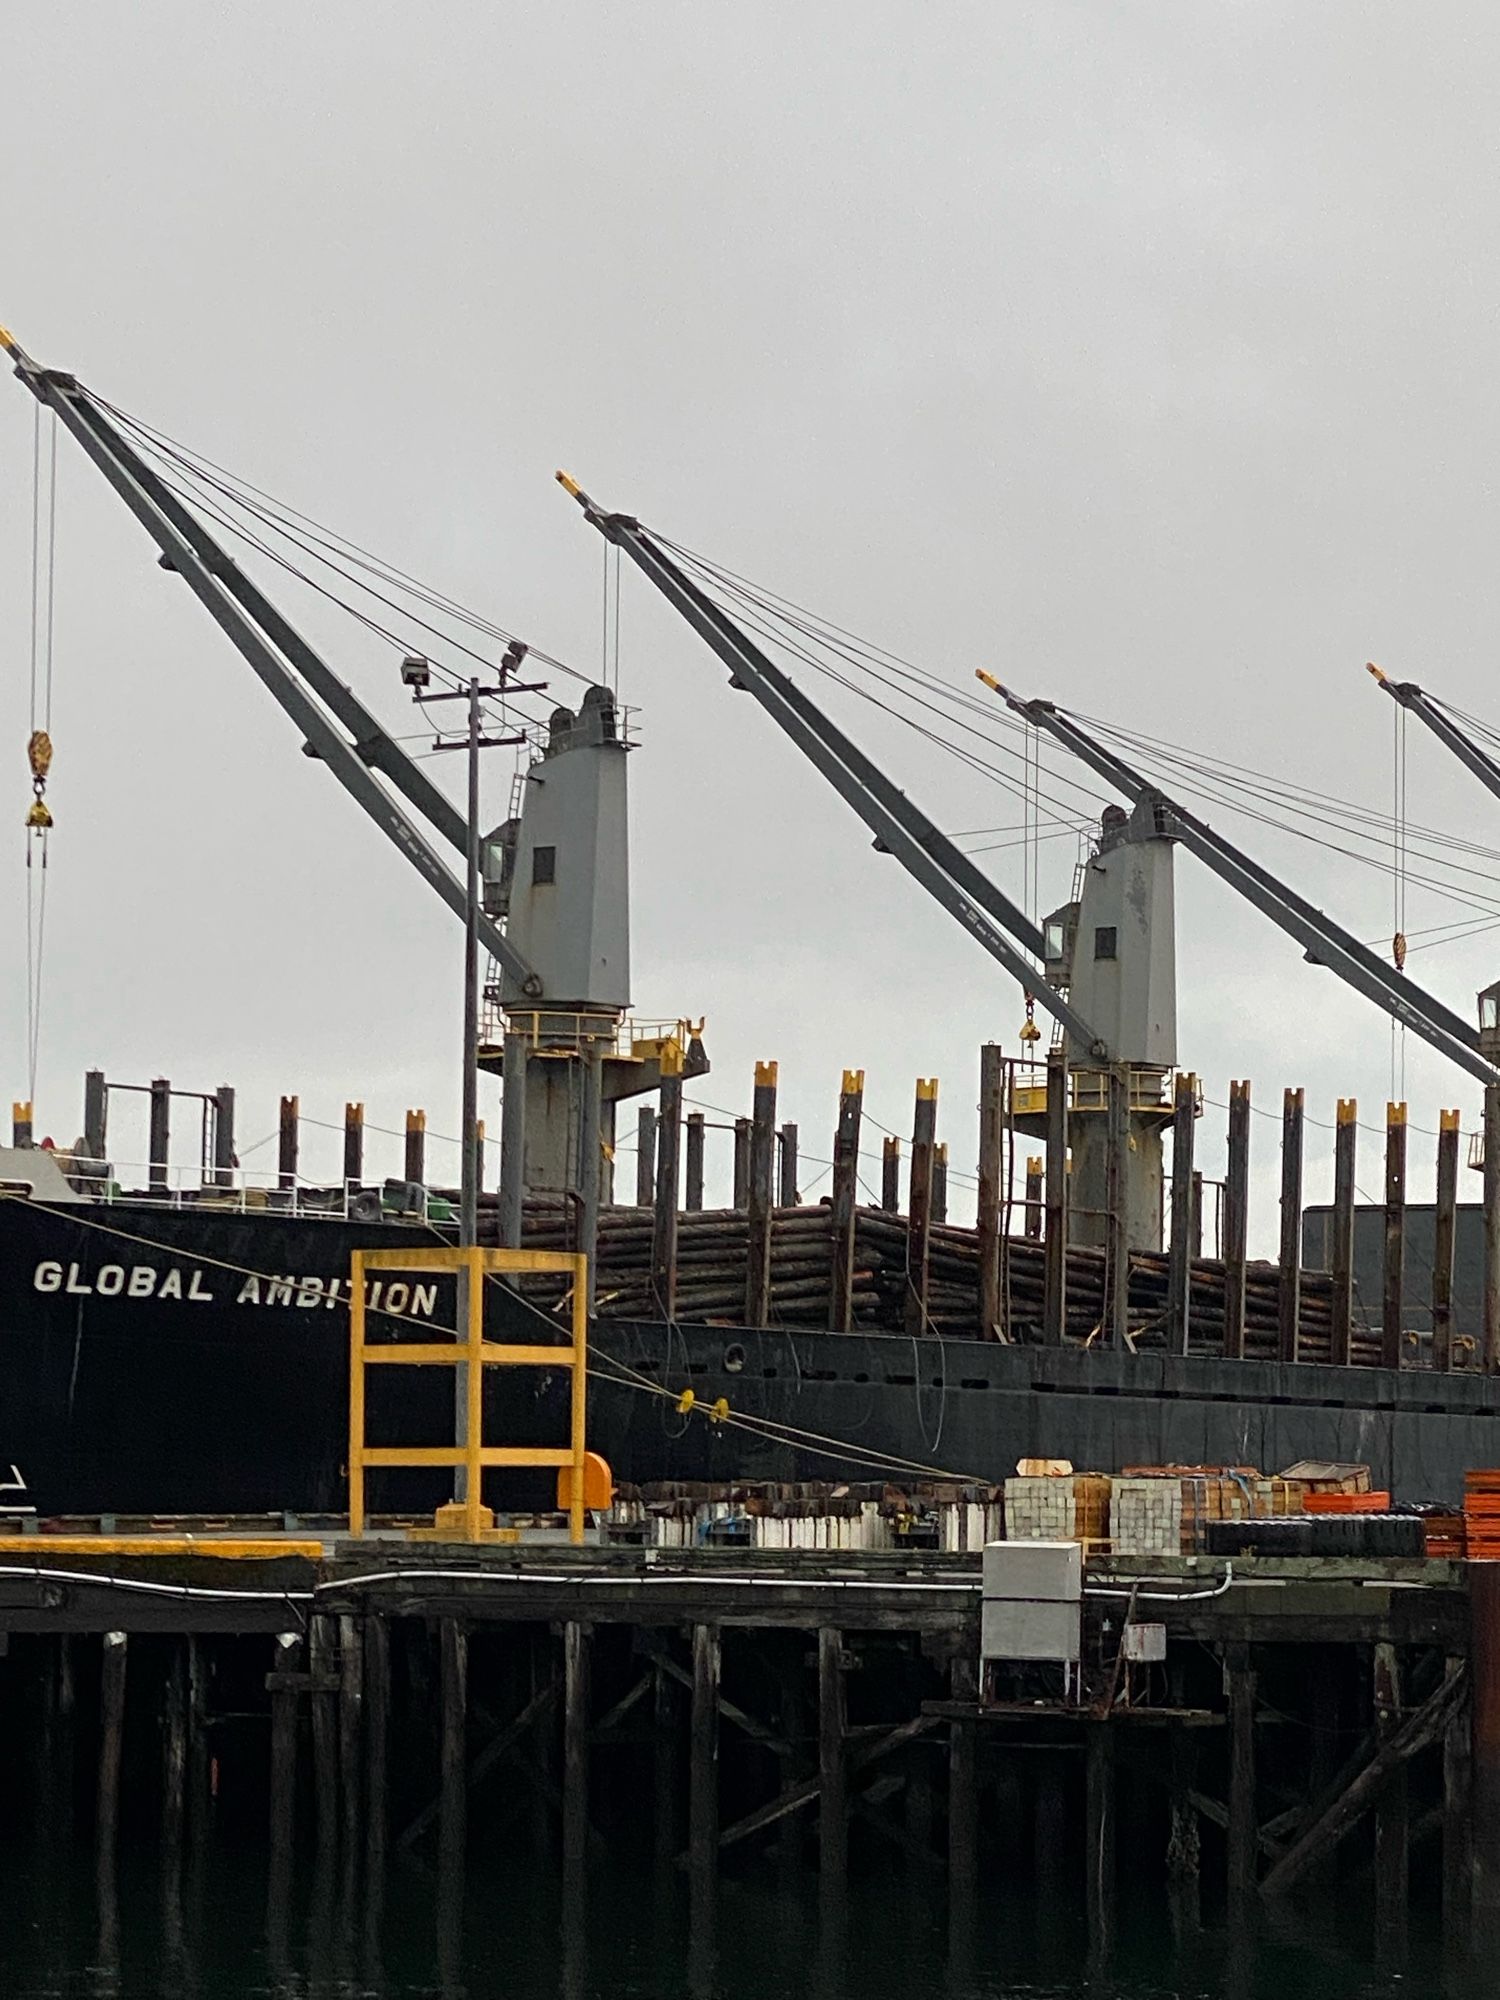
(1321, 1475)
(1166, 1510)
(1482, 1515)
(1073, 1507)
(1443, 1533)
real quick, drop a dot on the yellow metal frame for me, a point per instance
(478, 1353)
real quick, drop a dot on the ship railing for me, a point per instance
(242, 1191)
(562, 1031)
(1149, 1091)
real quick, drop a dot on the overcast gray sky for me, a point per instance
(1144, 354)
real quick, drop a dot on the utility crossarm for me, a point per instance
(275, 652)
(1325, 942)
(1485, 768)
(899, 827)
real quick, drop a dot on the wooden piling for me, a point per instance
(1236, 1218)
(416, 1147)
(20, 1124)
(1393, 1282)
(741, 1199)
(703, 1773)
(1099, 1835)
(833, 1807)
(1195, 1221)
(1180, 1247)
(1458, 1841)
(1289, 1276)
(57, 1745)
(174, 1751)
(919, 1199)
(321, 1654)
(287, 1141)
(787, 1172)
(1341, 1259)
(281, 1683)
(1184, 1855)
(693, 1170)
(758, 1205)
(111, 1739)
(1116, 1226)
(1484, 1709)
(453, 1646)
(890, 1174)
(963, 1805)
(351, 1716)
(575, 1747)
(645, 1156)
(200, 1790)
(377, 1708)
(1445, 1220)
(664, 1216)
(664, 1761)
(1242, 1828)
(940, 1181)
(354, 1144)
(845, 1200)
(1391, 1829)
(1055, 1248)
(992, 1110)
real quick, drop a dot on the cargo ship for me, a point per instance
(184, 1350)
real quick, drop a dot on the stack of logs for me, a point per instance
(771, 1260)
(851, 1266)
(713, 1253)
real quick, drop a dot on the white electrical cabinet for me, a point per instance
(1031, 1601)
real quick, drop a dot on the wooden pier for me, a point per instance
(1317, 1726)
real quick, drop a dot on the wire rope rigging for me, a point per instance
(39, 726)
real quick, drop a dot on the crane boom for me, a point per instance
(1326, 942)
(899, 826)
(1421, 704)
(275, 652)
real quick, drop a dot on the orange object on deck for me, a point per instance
(1348, 1503)
(598, 1484)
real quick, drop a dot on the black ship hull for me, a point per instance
(163, 1360)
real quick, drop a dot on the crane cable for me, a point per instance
(39, 740)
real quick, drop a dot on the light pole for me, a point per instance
(416, 674)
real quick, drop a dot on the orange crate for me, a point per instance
(1348, 1503)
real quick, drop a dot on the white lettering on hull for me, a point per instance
(145, 1281)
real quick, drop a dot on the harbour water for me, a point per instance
(67, 1935)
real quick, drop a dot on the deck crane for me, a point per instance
(1422, 705)
(1325, 942)
(278, 655)
(557, 871)
(900, 827)
(1487, 770)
